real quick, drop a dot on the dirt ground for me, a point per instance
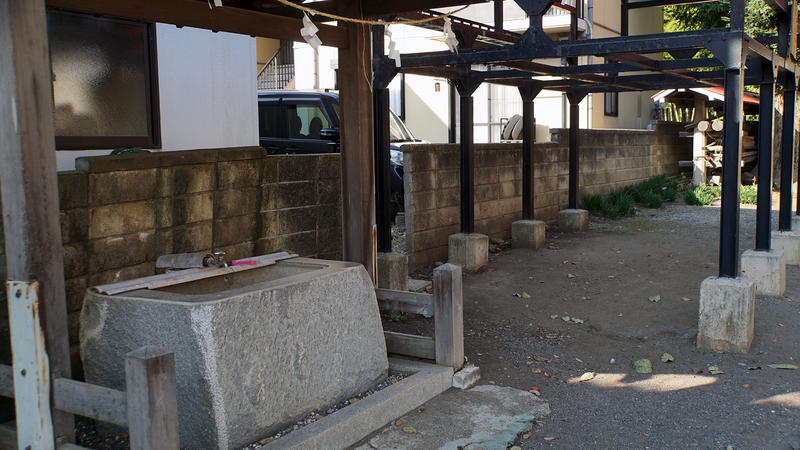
(609, 277)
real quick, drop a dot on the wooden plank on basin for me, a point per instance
(410, 345)
(88, 400)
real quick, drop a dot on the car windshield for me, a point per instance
(398, 130)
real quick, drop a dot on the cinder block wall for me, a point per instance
(120, 213)
(609, 161)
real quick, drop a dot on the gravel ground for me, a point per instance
(607, 277)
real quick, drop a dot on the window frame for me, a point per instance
(153, 138)
(611, 104)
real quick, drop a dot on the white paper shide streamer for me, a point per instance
(393, 52)
(309, 32)
(450, 36)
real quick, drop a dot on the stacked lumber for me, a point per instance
(713, 132)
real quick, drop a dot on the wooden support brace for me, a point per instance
(152, 399)
(449, 316)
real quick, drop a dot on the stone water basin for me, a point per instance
(254, 352)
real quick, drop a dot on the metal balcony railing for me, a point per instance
(279, 71)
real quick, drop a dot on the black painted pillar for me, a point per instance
(574, 144)
(383, 215)
(528, 93)
(466, 87)
(623, 28)
(765, 138)
(498, 16)
(381, 139)
(787, 153)
(731, 170)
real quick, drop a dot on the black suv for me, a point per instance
(305, 122)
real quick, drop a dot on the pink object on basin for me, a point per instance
(244, 262)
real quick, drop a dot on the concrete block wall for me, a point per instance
(609, 161)
(120, 213)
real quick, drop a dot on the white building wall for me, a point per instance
(207, 92)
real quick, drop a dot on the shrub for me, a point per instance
(592, 203)
(748, 195)
(701, 195)
(653, 200)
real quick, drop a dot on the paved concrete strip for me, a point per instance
(484, 417)
(352, 423)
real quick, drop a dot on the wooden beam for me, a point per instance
(6, 381)
(357, 150)
(89, 400)
(410, 345)
(196, 14)
(404, 301)
(152, 398)
(449, 332)
(31, 213)
(386, 7)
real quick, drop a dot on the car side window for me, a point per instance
(306, 121)
(268, 120)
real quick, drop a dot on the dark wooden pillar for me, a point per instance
(731, 170)
(765, 131)
(574, 145)
(466, 87)
(528, 93)
(358, 178)
(28, 173)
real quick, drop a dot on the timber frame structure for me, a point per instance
(27, 144)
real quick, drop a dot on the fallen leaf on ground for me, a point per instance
(579, 360)
(549, 438)
(352, 400)
(714, 370)
(409, 430)
(541, 281)
(655, 298)
(123, 435)
(576, 320)
(516, 447)
(526, 295)
(619, 315)
(643, 365)
(587, 376)
(565, 318)
(527, 435)
(753, 367)
(782, 366)
(515, 295)
(687, 299)
(746, 385)
(570, 275)
(539, 358)
(611, 276)
(536, 393)
(266, 441)
(666, 357)
(697, 370)
(398, 423)
(554, 316)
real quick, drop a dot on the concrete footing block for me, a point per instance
(466, 377)
(572, 220)
(393, 271)
(470, 251)
(796, 223)
(789, 243)
(527, 234)
(726, 314)
(767, 269)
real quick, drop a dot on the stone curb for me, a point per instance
(346, 426)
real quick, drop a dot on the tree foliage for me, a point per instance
(760, 19)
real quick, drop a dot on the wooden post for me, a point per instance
(31, 368)
(356, 124)
(31, 213)
(152, 399)
(449, 316)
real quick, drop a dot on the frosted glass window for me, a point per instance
(102, 84)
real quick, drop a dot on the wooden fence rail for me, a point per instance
(446, 307)
(149, 408)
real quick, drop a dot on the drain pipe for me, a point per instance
(590, 100)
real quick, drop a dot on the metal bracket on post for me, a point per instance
(730, 48)
(534, 7)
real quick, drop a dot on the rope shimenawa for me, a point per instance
(368, 22)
